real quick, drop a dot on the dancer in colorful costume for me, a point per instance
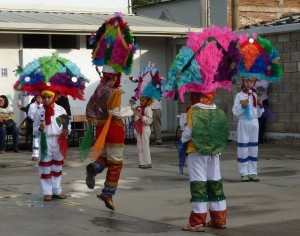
(113, 49)
(260, 61)
(209, 61)
(51, 76)
(149, 88)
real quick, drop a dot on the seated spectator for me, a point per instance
(7, 125)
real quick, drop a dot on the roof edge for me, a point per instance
(271, 29)
(88, 29)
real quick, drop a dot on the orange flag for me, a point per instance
(100, 142)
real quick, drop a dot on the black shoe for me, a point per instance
(90, 175)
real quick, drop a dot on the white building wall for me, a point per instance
(9, 59)
(150, 49)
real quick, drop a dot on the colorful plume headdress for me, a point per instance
(209, 61)
(149, 83)
(53, 73)
(113, 45)
(259, 58)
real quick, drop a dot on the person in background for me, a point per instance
(31, 113)
(7, 125)
(143, 120)
(247, 108)
(153, 91)
(26, 108)
(262, 92)
(64, 102)
(156, 124)
(260, 61)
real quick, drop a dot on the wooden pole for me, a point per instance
(235, 18)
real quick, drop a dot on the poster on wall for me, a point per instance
(4, 72)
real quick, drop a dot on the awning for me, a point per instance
(40, 22)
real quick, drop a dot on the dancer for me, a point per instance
(50, 76)
(113, 49)
(149, 89)
(208, 61)
(260, 61)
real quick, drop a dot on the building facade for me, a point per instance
(30, 31)
(284, 33)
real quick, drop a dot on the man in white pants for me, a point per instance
(156, 124)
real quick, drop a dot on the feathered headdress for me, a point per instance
(113, 45)
(53, 73)
(149, 83)
(259, 58)
(209, 61)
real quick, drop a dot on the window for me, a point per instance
(35, 41)
(63, 41)
(43, 41)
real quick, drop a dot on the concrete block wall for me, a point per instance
(284, 97)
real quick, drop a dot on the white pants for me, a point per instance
(35, 147)
(204, 168)
(50, 168)
(143, 146)
(247, 146)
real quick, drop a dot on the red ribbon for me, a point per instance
(139, 124)
(49, 111)
(250, 92)
(63, 145)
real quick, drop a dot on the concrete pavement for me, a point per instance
(152, 201)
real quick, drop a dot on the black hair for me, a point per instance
(5, 105)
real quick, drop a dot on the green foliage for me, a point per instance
(137, 3)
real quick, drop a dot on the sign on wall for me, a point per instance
(4, 72)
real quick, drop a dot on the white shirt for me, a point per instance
(32, 110)
(238, 111)
(156, 104)
(53, 129)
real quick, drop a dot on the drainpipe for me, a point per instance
(129, 7)
(235, 18)
(204, 13)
